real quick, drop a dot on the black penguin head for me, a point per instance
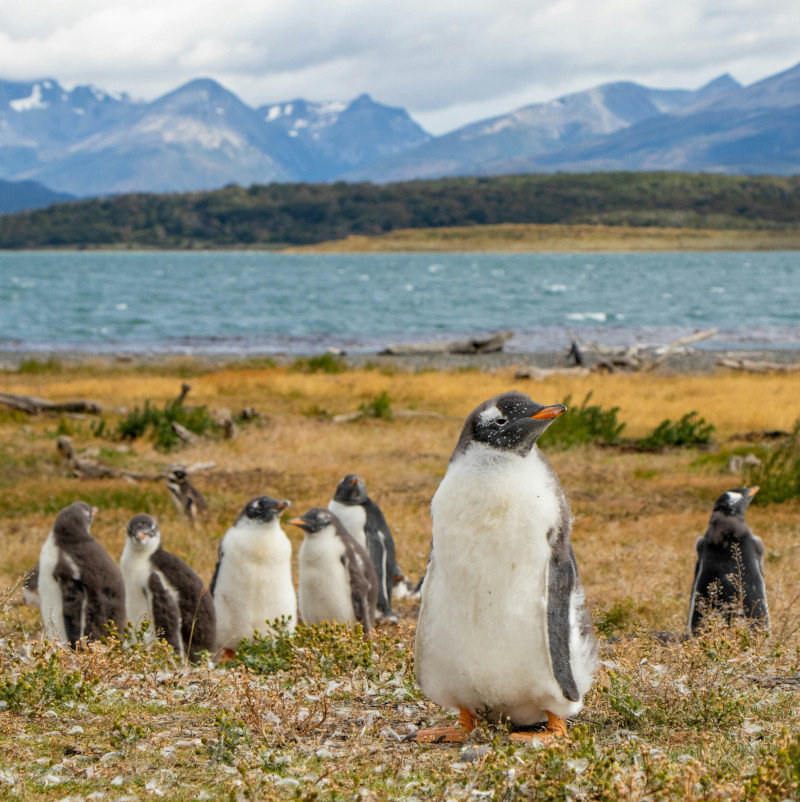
(177, 474)
(508, 422)
(315, 520)
(143, 532)
(351, 490)
(735, 502)
(73, 522)
(263, 510)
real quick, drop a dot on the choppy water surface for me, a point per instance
(268, 302)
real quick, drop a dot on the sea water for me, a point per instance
(266, 302)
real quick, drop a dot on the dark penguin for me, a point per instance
(185, 496)
(364, 520)
(162, 590)
(81, 590)
(252, 582)
(502, 627)
(729, 574)
(337, 581)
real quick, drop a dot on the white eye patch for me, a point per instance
(734, 497)
(490, 414)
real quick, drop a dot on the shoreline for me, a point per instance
(693, 360)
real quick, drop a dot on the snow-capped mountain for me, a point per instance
(199, 136)
(499, 144)
(344, 136)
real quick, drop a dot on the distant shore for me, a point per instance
(519, 238)
(692, 361)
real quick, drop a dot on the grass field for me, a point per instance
(716, 718)
(531, 238)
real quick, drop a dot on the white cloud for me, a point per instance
(448, 61)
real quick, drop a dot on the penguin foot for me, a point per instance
(226, 657)
(556, 728)
(451, 735)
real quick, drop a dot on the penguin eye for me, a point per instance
(501, 421)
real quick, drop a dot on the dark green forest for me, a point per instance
(274, 215)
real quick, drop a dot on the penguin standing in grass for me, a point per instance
(162, 590)
(502, 627)
(252, 584)
(729, 572)
(81, 592)
(337, 580)
(363, 519)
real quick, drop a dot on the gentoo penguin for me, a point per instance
(252, 584)
(185, 496)
(364, 520)
(162, 590)
(337, 581)
(502, 627)
(81, 590)
(729, 573)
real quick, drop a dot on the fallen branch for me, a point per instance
(757, 365)
(697, 337)
(543, 373)
(478, 345)
(36, 406)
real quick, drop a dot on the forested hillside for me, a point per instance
(278, 214)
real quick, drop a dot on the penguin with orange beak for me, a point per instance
(729, 572)
(252, 584)
(162, 591)
(503, 628)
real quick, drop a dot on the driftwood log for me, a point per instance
(757, 365)
(36, 406)
(479, 345)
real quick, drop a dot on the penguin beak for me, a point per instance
(297, 522)
(753, 490)
(354, 481)
(140, 536)
(553, 411)
(282, 505)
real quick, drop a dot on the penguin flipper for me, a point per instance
(381, 552)
(562, 580)
(166, 616)
(216, 571)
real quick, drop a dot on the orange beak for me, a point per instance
(354, 481)
(283, 504)
(140, 536)
(754, 490)
(297, 521)
(553, 411)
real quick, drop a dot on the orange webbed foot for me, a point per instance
(450, 735)
(556, 728)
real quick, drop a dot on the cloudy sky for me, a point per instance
(448, 62)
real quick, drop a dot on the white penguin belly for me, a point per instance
(136, 572)
(324, 586)
(354, 518)
(482, 637)
(254, 585)
(52, 602)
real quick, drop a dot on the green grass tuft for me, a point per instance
(583, 425)
(778, 476)
(688, 431)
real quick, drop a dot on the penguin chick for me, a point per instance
(252, 584)
(363, 519)
(185, 496)
(502, 625)
(729, 572)
(162, 590)
(337, 581)
(81, 590)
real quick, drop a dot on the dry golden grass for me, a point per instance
(634, 535)
(663, 721)
(530, 238)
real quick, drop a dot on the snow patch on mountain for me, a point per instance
(33, 101)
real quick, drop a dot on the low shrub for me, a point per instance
(778, 476)
(158, 422)
(583, 425)
(688, 431)
(324, 363)
(378, 407)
